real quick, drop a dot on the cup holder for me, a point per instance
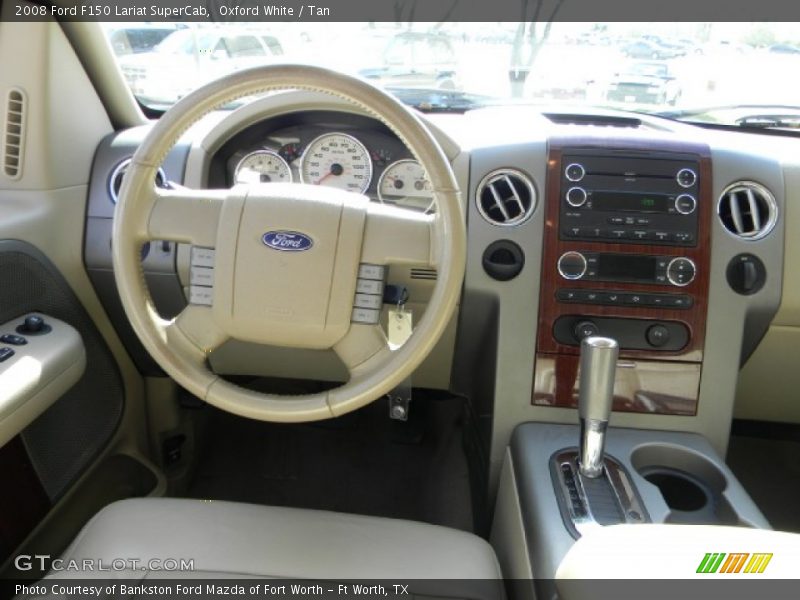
(691, 485)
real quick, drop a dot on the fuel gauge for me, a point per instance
(404, 183)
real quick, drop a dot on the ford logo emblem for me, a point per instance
(287, 241)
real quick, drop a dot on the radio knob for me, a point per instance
(574, 172)
(686, 178)
(681, 271)
(576, 196)
(685, 204)
(572, 265)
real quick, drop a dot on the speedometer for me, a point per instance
(337, 160)
(405, 184)
(262, 166)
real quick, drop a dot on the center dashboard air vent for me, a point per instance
(506, 197)
(115, 181)
(748, 210)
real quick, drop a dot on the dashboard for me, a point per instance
(668, 237)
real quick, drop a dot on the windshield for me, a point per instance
(186, 42)
(738, 73)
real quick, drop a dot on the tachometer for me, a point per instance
(262, 166)
(337, 160)
(405, 184)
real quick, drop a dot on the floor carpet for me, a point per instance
(361, 463)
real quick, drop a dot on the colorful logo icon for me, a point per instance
(737, 562)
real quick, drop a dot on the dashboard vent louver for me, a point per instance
(506, 197)
(115, 181)
(748, 210)
(428, 274)
(14, 138)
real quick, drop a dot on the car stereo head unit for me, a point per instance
(644, 200)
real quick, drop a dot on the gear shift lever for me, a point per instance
(597, 370)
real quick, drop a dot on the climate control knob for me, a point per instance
(572, 265)
(681, 271)
(576, 196)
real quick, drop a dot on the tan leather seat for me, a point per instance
(229, 539)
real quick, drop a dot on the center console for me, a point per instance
(624, 291)
(626, 255)
(592, 476)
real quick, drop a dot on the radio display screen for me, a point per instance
(630, 201)
(626, 267)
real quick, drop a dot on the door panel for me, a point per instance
(96, 430)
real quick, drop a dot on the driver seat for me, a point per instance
(227, 539)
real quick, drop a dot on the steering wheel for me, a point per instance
(287, 256)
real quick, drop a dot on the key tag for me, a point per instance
(401, 326)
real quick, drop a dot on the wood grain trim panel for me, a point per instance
(550, 309)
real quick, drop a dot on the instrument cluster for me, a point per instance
(344, 151)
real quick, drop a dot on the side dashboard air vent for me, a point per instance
(14, 138)
(748, 210)
(595, 120)
(428, 274)
(506, 197)
(115, 181)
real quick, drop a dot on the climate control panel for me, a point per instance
(677, 271)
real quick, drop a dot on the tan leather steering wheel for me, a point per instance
(301, 298)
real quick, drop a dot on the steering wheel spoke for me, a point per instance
(361, 347)
(395, 235)
(195, 330)
(186, 215)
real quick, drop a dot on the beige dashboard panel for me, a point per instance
(769, 383)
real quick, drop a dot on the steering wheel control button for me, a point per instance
(201, 275)
(13, 340)
(34, 325)
(686, 178)
(199, 294)
(202, 257)
(369, 297)
(366, 271)
(366, 315)
(572, 265)
(576, 196)
(685, 204)
(681, 271)
(369, 286)
(575, 172)
(368, 301)
(657, 336)
(6, 353)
